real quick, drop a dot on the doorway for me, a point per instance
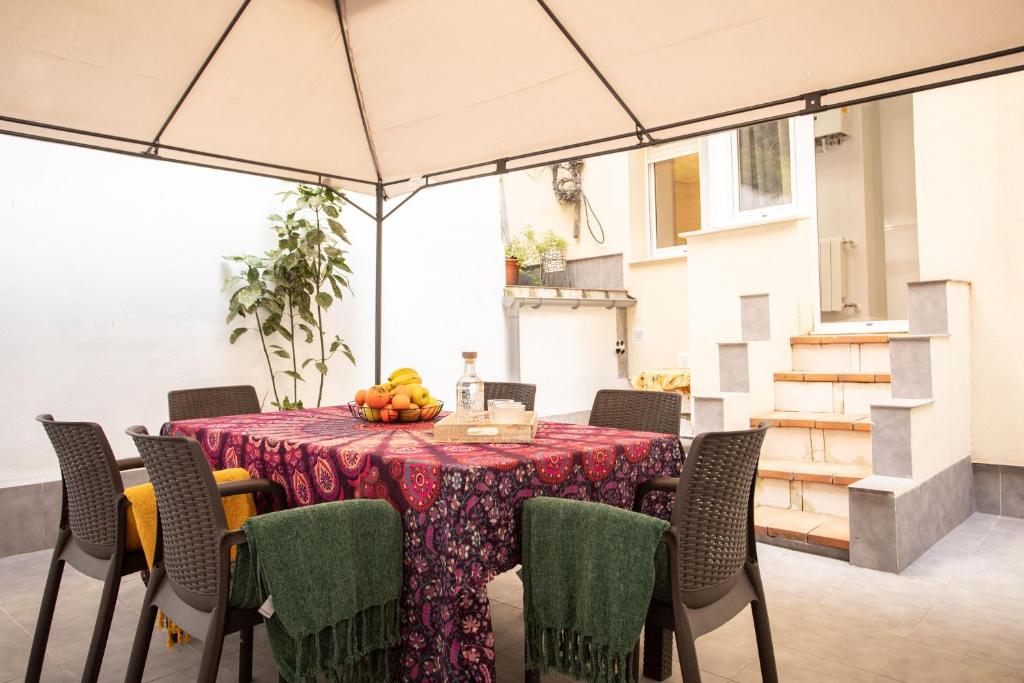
(866, 215)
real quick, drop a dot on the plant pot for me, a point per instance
(511, 272)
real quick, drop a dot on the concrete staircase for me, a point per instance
(820, 440)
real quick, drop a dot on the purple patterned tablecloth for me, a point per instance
(460, 504)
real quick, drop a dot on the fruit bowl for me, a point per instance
(414, 414)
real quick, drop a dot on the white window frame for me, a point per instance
(719, 168)
(767, 213)
(672, 150)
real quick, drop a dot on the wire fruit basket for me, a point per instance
(413, 414)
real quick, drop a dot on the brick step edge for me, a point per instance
(806, 527)
(848, 377)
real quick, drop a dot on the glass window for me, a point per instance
(765, 171)
(677, 209)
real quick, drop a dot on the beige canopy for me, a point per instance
(357, 93)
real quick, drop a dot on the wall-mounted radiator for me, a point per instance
(832, 272)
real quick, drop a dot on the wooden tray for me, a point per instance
(451, 430)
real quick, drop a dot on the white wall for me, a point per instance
(443, 279)
(110, 290)
(970, 171)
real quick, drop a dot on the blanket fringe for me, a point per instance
(563, 650)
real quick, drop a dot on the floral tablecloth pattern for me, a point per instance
(460, 504)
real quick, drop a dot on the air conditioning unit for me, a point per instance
(832, 123)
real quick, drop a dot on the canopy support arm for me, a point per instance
(641, 131)
(378, 281)
(155, 146)
(358, 93)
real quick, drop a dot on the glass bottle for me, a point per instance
(469, 391)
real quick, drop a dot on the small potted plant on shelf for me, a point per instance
(515, 254)
(551, 248)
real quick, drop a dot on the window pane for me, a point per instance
(764, 168)
(676, 199)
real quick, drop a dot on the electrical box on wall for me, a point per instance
(832, 122)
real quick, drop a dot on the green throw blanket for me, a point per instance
(334, 574)
(588, 573)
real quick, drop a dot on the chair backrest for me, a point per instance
(713, 512)
(190, 513)
(644, 411)
(524, 393)
(92, 483)
(188, 404)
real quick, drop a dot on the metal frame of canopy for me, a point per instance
(926, 78)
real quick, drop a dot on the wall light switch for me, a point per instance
(683, 360)
(639, 335)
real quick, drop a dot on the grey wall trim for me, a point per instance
(708, 414)
(755, 318)
(890, 441)
(30, 513)
(889, 529)
(928, 310)
(596, 272)
(911, 367)
(733, 368)
(999, 489)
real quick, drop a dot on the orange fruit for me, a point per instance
(377, 397)
(361, 397)
(388, 414)
(400, 401)
(401, 390)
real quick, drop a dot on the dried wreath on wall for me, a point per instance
(567, 184)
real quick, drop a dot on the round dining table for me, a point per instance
(460, 504)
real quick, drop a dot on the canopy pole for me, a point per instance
(378, 282)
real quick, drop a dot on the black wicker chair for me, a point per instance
(91, 535)
(190, 579)
(188, 404)
(524, 393)
(712, 557)
(644, 411)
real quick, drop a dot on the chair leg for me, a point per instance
(245, 654)
(45, 619)
(765, 649)
(104, 617)
(532, 676)
(213, 643)
(140, 647)
(144, 631)
(687, 648)
(657, 652)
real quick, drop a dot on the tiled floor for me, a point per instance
(957, 616)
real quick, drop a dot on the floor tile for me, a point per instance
(975, 638)
(919, 663)
(839, 640)
(795, 666)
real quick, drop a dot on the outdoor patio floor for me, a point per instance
(956, 615)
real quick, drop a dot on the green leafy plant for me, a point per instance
(516, 249)
(287, 290)
(549, 241)
(529, 245)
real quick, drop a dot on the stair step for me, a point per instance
(807, 420)
(814, 472)
(806, 527)
(839, 339)
(857, 377)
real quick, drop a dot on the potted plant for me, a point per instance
(551, 248)
(515, 254)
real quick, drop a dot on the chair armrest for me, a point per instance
(129, 464)
(665, 484)
(234, 488)
(233, 537)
